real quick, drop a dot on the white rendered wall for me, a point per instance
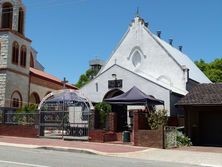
(129, 80)
(156, 64)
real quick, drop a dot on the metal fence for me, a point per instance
(15, 118)
(64, 123)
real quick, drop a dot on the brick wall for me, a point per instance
(112, 121)
(19, 130)
(102, 136)
(144, 137)
(96, 135)
(149, 138)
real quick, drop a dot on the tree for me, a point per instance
(103, 109)
(82, 81)
(212, 70)
(85, 78)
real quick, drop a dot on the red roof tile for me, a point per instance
(48, 76)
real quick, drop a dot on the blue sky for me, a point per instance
(69, 33)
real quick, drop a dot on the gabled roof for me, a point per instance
(49, 77)
(194, 72)
(180, 58)
(203, 94)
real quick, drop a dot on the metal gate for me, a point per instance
(71, 124)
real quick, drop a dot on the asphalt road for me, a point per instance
(17, 157)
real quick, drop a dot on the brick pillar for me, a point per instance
(135, 127)
(112, 121)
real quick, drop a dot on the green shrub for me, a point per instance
(31, 108)
(157, 119)
(103, 109)
(183, 140)
(24, 114)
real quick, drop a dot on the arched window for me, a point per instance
(21, 21)
(32, 64)
(15, 53)
(7, 15)
(136, 59)
(34, 98)
(23, 56)
(16, 99)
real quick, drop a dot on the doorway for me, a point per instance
(119, 109)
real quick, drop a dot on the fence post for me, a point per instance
(91, 120)
(41, 128)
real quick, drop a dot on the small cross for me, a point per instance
(138, 12)
(64, 82)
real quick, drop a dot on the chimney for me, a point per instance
(159, 34)
(171, 41)
(180, 48)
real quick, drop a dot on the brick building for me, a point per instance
(22, 77)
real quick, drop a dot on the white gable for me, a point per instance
(145, 54)
(195, 73)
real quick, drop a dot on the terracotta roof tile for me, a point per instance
(48, 76)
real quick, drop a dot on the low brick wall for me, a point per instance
(102, 136)
(149, 138)
(119, 136)
(96, 135)
(19, 130)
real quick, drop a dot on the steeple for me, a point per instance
(12, 13)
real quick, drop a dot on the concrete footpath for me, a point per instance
(203, 156)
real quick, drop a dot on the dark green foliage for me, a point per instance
(85, 78)
(26, 114)
(82, 81)
(212, 70)
(157, 119)
(31, 108)
(103, 109)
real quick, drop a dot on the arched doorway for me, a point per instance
(119, 109)
(34, 98)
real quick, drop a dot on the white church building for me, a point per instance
(144, 60)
